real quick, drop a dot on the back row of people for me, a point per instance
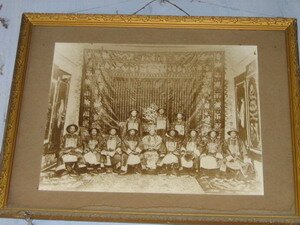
(152, 153)
(162, 123)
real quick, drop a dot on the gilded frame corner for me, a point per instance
(30, 20)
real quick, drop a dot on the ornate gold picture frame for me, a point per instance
(263, 97)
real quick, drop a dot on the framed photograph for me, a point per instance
(154, 119)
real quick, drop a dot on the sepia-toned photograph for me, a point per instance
(172, 119)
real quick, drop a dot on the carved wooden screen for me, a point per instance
(114, 82)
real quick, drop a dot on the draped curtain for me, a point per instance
(115, 82)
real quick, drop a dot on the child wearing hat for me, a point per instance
(111, 154)
(170, 159)
(92, 149)
(191, 151)
(131, 152)
(70, 155)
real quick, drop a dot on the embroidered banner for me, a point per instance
(115, 82)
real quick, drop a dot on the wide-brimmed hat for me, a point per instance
(113, 128)
(169, 131)
(209, 132)
(232, 130)
(183, 115)
(94, 128)
(190, 130)
(137, 111)
(71, 125)
(136, 131)
(160, 109)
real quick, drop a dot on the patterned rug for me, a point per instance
(111, 182)
(213, 185)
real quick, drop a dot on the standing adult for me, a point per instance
(133, 122)
(179, 124)
(162, 122)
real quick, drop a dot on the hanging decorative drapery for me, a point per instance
(247, 104)
(115, 82)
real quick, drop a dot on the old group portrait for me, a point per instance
(177, 119)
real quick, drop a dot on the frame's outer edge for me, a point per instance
(242, 23)
(204, 22)
(14, 109)
(294, 80)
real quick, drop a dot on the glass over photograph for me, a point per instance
(173, 119)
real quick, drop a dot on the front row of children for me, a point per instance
(153, 154)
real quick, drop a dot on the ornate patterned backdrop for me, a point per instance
(114, 82)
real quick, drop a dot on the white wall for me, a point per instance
(65, 60)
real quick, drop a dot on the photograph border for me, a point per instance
(29, 20)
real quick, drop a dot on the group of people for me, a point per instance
(167, 148)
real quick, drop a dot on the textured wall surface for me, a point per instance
(10, 17)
